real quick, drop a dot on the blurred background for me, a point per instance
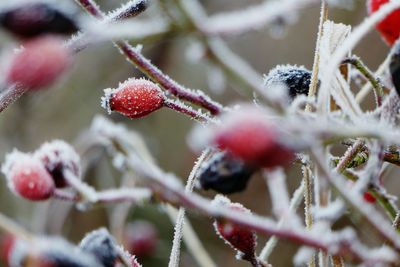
(65, 110)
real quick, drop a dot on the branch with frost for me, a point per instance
(134, 56)
(10, 94)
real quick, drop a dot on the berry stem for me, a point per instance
(136, 58)
(189, 111)
(9, 95)
(13, 228)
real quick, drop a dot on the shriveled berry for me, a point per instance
(389, 27)
(39, 63)
(58, 157)
(369, 197)
(249, 135)
(30, 19)
(296, 78)
(243, 240)
(134, 98)
(141, 238)
(27, 176)
(102, 245)
(224, 173)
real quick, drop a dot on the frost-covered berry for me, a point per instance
(243, 240)
(251, 136)
(59, 157)
(39, 63)
(102, 245)
(296, 78)
(141, 238)
(6, 245)
(224, 174)
(27, 176)
(134, 98)
(368, 197)
(30, 19)
(389, 27)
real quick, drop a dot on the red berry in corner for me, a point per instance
(39, 63)
(27, 176)
(249, 135)
(368, 197)
(389, 27)
(6, 246)
(239, 238)
(134, 98)
(141, 238)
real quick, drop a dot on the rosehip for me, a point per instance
(6, 246)
(39, 63)
(58, 156)
(239, 238)
(102, 245)
(224, 174)
(141, 238)
(296, 78)
(249, 135)
(389, 27)
(28, 20)
(134, 98)
(27, 176)
(369, 197)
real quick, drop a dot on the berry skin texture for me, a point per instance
(389, 27)
(134, 98)
(248, 135)
(244, 241)
(27, 177)
(30, 20)
(296, 78)
(141, 238)
(39, 63)
(224, 174)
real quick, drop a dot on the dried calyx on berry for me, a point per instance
(296, 78)
(34, 18)
(243, 240)
(58, 157)
(51, 252)
(140, 238)
(134, 98)
(389, 27)
(39, 63)
(27, 177)
(224, 173)
(102, 245)
(249, 134)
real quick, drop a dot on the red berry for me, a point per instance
(39, 63)
(134, 98)
(241, 239)
(249, 135)
(369, 197)
(28, 177)
(389, 27)
(57, 156)
(141, 238)
(6, 246)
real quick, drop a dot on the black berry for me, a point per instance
(395, 67)
(224, 174)
(296, 78)
(29, 20)
(101, 244)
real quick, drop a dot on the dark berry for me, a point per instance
(395, 67)
(224, 174)
(141, 238)
(29, 20)
(101, 244)
(297, 79)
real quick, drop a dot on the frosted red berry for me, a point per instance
(249, 135)
(134, 98)
(241, 239)
(141, 238)
(389, 27)
(27, 176)
(368, 197)
(39, 63)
